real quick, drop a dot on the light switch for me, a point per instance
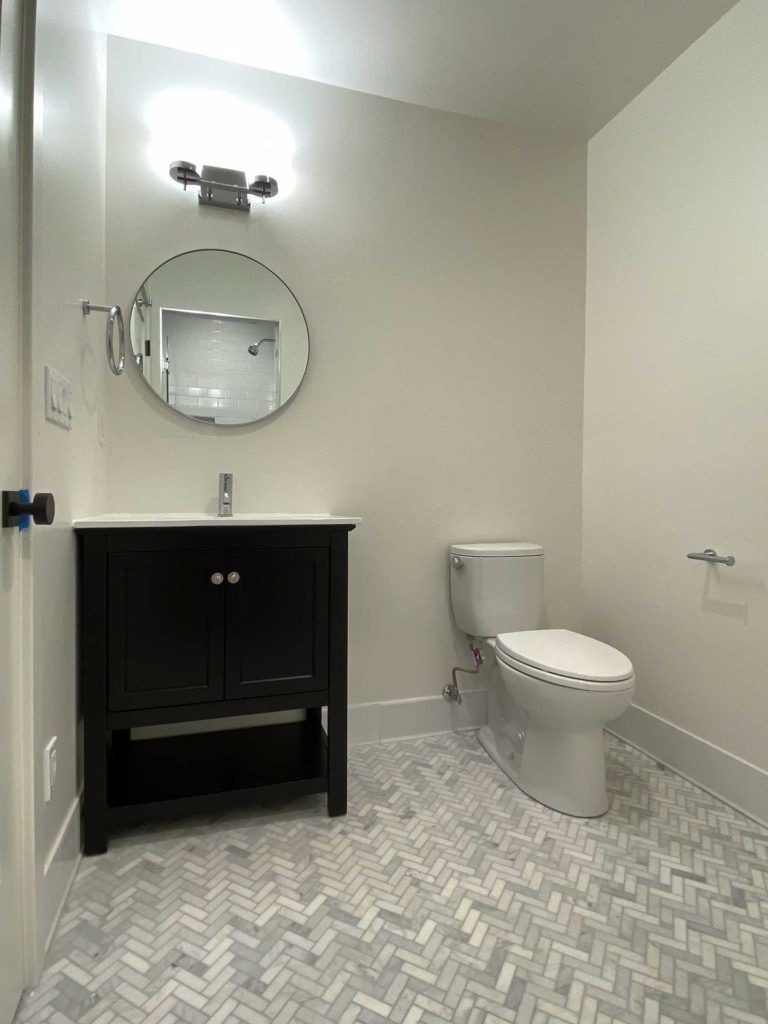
(58, 399)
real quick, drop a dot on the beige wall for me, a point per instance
(66, 263)
(440, 264)
(676, 416)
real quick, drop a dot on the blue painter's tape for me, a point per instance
(24, 520)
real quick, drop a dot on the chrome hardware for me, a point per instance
(223, 186)
(233, 577)
(114, 314)
(710, 555)
(456, 562)
(451, 690)
(217, 579)
(225, 494)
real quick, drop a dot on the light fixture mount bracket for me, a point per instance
(223, 186)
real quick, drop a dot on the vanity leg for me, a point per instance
(93, 697)
(337, 679)
(94, 823)
(337, 761)
(95, 742)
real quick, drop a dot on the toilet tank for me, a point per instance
(497, 588)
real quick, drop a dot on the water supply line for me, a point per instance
(451, 690)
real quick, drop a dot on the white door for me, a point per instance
(11, 930)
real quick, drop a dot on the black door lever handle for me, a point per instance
(42, 508)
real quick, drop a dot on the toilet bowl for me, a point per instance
(551, 691)
(554, 691)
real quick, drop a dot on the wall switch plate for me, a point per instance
(58, 399)
(50, 768)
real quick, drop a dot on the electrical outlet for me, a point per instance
(58, 399)
(50, 768)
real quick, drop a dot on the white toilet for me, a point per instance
(554, 689)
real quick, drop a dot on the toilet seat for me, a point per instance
(565, 658)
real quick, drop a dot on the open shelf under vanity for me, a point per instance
(209, 771)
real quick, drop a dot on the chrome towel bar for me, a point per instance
(115, 314)
(710, 555)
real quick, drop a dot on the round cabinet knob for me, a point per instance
(233, 577)
(217, 579)
(456, 562)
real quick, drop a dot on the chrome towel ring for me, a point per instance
(115, 314)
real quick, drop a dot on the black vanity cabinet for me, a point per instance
(165, 629)
(277, 623)
(189, 624)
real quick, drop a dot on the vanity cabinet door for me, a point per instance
(277, 621)
(166, 628)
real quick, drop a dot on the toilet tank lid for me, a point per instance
(500, 549)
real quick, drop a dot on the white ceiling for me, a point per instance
(564, 66)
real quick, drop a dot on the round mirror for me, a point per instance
(219, 337)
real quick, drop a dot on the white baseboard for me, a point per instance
(740, 784)
(59, 872)
(420, 716)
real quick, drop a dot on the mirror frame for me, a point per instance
(195, 419)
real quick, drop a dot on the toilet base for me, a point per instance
(548, 774)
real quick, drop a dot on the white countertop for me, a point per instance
(118, 520)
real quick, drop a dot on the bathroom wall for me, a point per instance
(439, 260)
(64, 263)
(676, 418)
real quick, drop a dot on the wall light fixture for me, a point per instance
(222, 186)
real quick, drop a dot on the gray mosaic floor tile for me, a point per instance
(444, 895)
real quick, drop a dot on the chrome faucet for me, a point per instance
(225, 494)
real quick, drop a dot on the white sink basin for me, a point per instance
(146, 519)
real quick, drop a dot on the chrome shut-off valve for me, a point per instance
(451, 690)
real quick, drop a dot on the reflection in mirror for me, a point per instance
(219, 337)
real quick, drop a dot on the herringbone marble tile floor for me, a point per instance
(444, 895)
